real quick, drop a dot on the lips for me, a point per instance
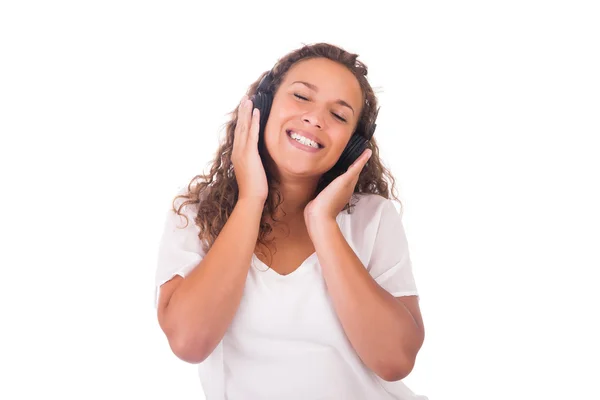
(306, 135)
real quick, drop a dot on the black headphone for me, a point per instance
(263, 100)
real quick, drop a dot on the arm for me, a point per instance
(384, 332)
(194, 312)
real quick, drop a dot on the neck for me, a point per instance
(296, 195)
(296, 191)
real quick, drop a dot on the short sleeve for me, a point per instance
(180, 249)
(390, 264)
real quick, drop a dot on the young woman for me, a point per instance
(280, 274)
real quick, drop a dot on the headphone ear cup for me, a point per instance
(262, 101)
(355, 147)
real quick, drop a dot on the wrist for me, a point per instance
(319, 227)
(251, 204)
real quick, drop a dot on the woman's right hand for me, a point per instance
(247, 165)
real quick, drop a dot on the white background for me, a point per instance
(490, 119)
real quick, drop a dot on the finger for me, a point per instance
(358, 166)
(350, 177)
(241, 127)
(360, 162)
(254, 127)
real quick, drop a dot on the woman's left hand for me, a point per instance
(328, 204)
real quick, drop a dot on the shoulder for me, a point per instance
(363, 221)
(368, 208)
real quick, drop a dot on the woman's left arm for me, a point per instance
(386, 331)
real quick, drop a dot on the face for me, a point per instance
(314, 113)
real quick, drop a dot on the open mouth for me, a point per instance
(303, 140)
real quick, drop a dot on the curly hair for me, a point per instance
(217, 192)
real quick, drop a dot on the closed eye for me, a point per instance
(338, 117)
(300, 97)
(334, 114)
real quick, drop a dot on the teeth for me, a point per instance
(303, 140)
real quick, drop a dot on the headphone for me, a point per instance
(263, 100)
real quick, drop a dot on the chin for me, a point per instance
(299, 168)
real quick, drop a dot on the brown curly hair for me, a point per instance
(216, 193)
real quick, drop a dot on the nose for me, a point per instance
(314, 118)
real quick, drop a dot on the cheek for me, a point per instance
(342, 138)
(285, 108)
(281, 111)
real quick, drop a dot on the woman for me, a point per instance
(291, 279)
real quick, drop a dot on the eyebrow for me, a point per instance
(316, 89)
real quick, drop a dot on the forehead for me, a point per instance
(332, 79)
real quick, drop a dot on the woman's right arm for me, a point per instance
(194, 312)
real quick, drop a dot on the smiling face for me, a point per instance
(314, 113)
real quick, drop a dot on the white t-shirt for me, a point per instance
(285, 341)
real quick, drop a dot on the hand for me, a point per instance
(328, 204)
(247, 165)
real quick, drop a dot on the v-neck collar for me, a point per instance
(300, 270)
